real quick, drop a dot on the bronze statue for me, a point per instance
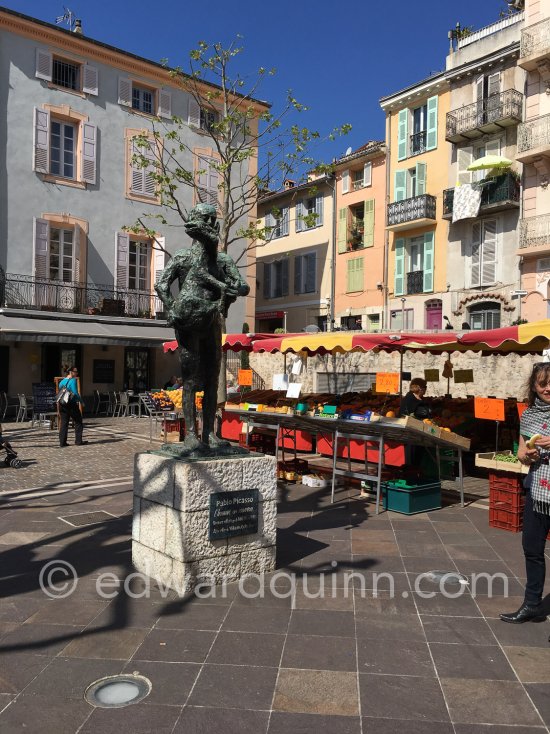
(209, 282)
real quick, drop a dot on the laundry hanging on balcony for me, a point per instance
(466, 202)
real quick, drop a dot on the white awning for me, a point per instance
(81, 330)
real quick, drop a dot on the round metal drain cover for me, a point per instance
(115, 691)
(447, 577)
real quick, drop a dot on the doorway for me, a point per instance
(136, 369)
(434, 314)
(56, 360)
(4, 368)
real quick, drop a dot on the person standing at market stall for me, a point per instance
(71, 409)
(413, 402)
(534, 452)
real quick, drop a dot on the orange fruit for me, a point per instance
(390, 414)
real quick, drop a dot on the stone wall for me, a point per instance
(495, 375)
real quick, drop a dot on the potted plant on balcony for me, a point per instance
(355, 237)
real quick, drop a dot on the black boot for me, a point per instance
(525, 613)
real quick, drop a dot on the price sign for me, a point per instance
(521, 407)
(431, 375)
(491, 409)
(245, 377)
(387, 382)
(464, 376)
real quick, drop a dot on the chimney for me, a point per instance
(288, 184)
(78, 27)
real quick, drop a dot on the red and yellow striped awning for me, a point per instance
(233, 342)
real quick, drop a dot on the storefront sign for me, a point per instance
(270, 315)
(387, 382)
(431, 375)
(489, 408)
(464, 375)
(233, 513)
(43, 394)
(245, 377)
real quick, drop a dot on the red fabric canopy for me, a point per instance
(233, 342)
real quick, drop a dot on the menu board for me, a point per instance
(43, 395)
(104, 371)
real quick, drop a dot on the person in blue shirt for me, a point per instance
(70, 409)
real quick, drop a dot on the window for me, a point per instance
(276, 279)
(482, 263)
(360, 177)
(62, 149)
(305, 276)
(417, 129)
(414, 264)
(469, 153)
(543, 265)
(310, 206)
(208, 118)
(354, 275)
(373, 322)
(322, 322)
(409, 183)
(351, 323)
(485, 315)
(138, 265)
(207, 180)
(61, 266)
(57, 248)
(201, 117)
(66, 73)
(64, 145)
(148, 100)
(277, 219)
(141, 180)
(142, 99)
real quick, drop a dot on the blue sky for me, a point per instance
(338, 59)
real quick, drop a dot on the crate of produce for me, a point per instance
(454, 438)
(502, 517)
(511, 499)
(504, 461)
(292, 470)
(409, 499)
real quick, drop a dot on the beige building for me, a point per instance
(293, 267)
(534, 152)
(486, 107)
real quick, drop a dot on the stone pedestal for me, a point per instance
(172, 513)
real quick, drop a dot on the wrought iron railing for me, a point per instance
(534, 231)
(407, 210)
(506, 105)
(26, 292)
(534, 133)
(234, 363)
(493, 191)
(535, 38)
(415, 282)
(417, 143)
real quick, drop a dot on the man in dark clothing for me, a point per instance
(70, 409)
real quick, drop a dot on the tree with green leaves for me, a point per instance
(254, 149)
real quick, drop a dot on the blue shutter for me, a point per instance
(284, 278)
(310, 261)
(421, 178)
(284, 221)
(267, 280)
(319, 210)
(402, 125)
(431, 134)
(399, 276)
(299, 214)
(428, 266)
(298, 274)
(400, 185)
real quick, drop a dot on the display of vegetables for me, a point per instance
(510, 458)
(162, 401)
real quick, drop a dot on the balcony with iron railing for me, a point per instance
(534, 47)
(415, 282)
(497, 194)
(42, 294)
(416, 211)
(484, 116)
(534, 235)
(534, 139)
(417, 143)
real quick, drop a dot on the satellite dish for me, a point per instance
(348, 151)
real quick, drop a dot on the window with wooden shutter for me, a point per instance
(125, 91)
(402, 130)
(342, 230)
(267, 280)
(355, 275)
(41, 141)
(122, 246)
(160, 258)
(41, 247)
(489, 252)
(89, 150)
(90, 79)
(428, 263)
(400, 185)
(421, 169)
(368, 223)
(305, 275)
(475, 256)
(142, 182)
(43, 68)
(367, 174)
(299, 214)
(464, 159)
(431, 132)
(345, 182)
(164, 103)
(207, 178)
(399, 276)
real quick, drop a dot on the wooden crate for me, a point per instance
(488, 461)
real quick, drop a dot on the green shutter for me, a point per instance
(420, 178)
(399, 276)
(355, 275)
(342, 229)
(402, 124)
(431, 135)
(400, 185)
(368, 221)
(428, 266)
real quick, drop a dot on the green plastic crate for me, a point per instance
(409, 500)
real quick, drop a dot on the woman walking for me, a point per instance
(70, 409)
(534, 452)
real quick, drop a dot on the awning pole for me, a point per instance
(401, 351)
